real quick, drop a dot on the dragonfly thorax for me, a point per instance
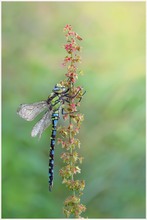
(55, 103)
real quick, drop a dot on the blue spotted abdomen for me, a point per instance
(55, 117)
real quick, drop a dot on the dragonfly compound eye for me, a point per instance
(59, 88)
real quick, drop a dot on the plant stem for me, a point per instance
(72, 205)
(70, 121)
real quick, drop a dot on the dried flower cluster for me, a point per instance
(70, 144)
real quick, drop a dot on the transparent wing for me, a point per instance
(30, 111)
(41, 125)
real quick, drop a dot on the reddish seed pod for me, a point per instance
(78, 37)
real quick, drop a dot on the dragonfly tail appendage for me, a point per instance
(55, 117)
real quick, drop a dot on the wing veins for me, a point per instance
(30, 111)
(41, 125)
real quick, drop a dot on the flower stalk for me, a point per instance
(68, 141)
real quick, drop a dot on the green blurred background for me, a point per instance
(113, 133)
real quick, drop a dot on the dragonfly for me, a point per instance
(52, 108)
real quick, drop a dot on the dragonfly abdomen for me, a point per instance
(55, 117)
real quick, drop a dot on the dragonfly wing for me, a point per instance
(41, 125)
(30, 111)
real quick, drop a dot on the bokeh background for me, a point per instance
(113, 133)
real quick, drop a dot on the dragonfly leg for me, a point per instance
(65, 91)
(71, 97)
(65, 113)
(81, 97)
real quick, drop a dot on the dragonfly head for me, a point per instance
(59, 88)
